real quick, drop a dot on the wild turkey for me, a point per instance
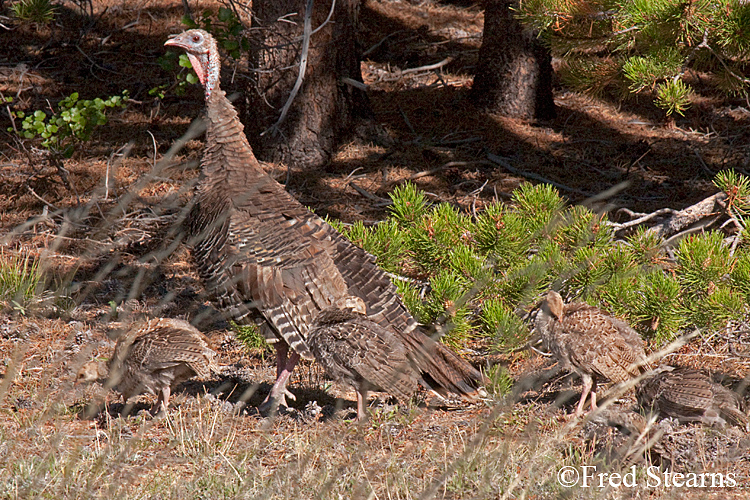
(591, 343)
(266, 258)
(689, 395)
(152, 357)
(356, 350)
(617, 433)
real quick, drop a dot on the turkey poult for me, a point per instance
(591, 343)
(689, 395)
(152, 357)
(265, 258)
(353, 349)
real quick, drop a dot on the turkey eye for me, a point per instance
(196, 38)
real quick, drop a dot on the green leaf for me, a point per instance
(187, 21)
(185, 61)
(225, 14)
(230, 45)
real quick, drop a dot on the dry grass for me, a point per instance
(208, 446)
(211, 447)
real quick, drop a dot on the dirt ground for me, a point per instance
(210, 446)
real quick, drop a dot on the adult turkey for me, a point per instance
(690, 395)
(152, 357)
(354, 349)
(591, 343)
(268, 259)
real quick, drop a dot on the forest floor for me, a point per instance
(208, 446)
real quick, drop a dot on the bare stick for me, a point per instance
(643, 218)
(429, 67)
(354, 83)
(530, 175)
(369, 195)
(435, 170)
(33, 193)
(123, 153)
(328, 19)
(375, 47)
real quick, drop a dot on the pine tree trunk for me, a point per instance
(325, 109)
(514, 72)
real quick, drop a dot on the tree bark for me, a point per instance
(326, 109)
(514, 72)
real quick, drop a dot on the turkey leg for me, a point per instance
(285, 363)
(587, 383)
(162, 402)
(362, 405)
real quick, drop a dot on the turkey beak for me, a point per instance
(175, 41)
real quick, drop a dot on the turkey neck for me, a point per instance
(228, 157)
(230, 176)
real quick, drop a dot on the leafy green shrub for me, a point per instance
(483, 269)
(718, 308)
(673, 96)
(73, 123)
(226, 29)
(386, 241)
(442, 230)
(646, 46)
(446, 305)
(501, 382)
(704, 261)
(619, 294)
(502, 325)
(737, 189)
(465, 262)
(251, 337)
(228, 32)
(409, 205)
(170, 62)
(413, 301)
(40, 12)
(645, 247)
(537, 205)
(740, 274)
(656, 306)
(581, 227)
(503, 234)
(586, 271)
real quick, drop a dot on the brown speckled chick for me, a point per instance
(689, 395)
(152, 357)
(591, 343)
(353, 349)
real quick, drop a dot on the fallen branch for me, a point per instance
(432, 171)
(428, 67)
(680, 223)
(398, 74)
(531, 175)
(641, 217)
(367, 194)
